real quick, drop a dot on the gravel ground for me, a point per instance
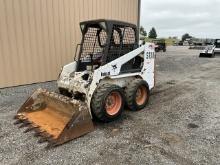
(181, 124)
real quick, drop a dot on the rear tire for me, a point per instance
(107, 102)
(137, 94)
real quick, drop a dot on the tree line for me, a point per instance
(152, 33)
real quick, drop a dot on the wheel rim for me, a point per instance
(141, 95)
(113, 103)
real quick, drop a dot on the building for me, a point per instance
(37, 37)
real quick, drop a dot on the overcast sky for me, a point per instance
(199, 18)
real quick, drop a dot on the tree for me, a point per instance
(152, 33)
(143, 31)
(186, 36)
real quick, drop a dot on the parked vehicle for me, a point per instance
(211, 50)
(160, 44)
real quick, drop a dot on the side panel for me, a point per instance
(149, 65)
(68, 69)
(112, 69)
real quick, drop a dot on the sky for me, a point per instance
(199, 18)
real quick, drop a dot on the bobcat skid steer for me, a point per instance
(211, 50)
(109, 72)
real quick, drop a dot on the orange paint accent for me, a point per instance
(113, 103)
(141, 95)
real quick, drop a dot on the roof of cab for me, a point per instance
(108, 21)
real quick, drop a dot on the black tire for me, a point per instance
(99, 99)
(131, 91)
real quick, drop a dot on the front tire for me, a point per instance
(137, 94)
(107, 102)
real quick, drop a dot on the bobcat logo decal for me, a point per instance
(114, 67)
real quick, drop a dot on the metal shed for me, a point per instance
(37, 37)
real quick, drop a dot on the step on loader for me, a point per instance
(109, 71)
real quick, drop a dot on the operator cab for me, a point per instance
(104, 41)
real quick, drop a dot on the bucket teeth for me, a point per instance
(42, 140)
(30, 128)
(45, 137)
(43, 133)
(25, 123)
(17, 122)
(38, 132)
(20, 118)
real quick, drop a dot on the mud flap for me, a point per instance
(55, 118)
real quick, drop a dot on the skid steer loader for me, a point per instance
(109, 71)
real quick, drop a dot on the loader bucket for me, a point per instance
(54, 117)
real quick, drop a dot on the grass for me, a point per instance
(169, 41)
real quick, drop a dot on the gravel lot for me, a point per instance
(181, 124)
